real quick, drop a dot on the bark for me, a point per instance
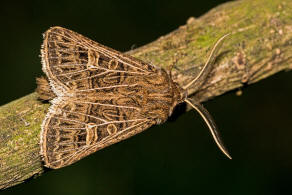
(261, 37)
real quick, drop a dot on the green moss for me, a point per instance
(20, 127)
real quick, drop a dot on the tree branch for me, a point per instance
(259, 45)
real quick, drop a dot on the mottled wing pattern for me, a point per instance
(74, 62)
(96, 104)
(73, 130)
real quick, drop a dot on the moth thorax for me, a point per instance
(91, 133)
(158, 113)
(93, 58)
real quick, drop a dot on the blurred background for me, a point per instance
(178, 157)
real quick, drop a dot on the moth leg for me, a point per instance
(201, 77)
(211, 125)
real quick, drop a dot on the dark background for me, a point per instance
(178, 157)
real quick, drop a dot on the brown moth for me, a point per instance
(101, 96)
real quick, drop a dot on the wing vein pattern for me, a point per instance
(99, 96)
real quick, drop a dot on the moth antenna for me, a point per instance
(201, 77)
(211, 125)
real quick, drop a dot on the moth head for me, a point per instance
(180, 94)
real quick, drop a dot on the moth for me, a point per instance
(101, 96)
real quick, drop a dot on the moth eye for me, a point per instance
(111, 129)
(113, 64)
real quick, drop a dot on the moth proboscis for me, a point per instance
(101, 96)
